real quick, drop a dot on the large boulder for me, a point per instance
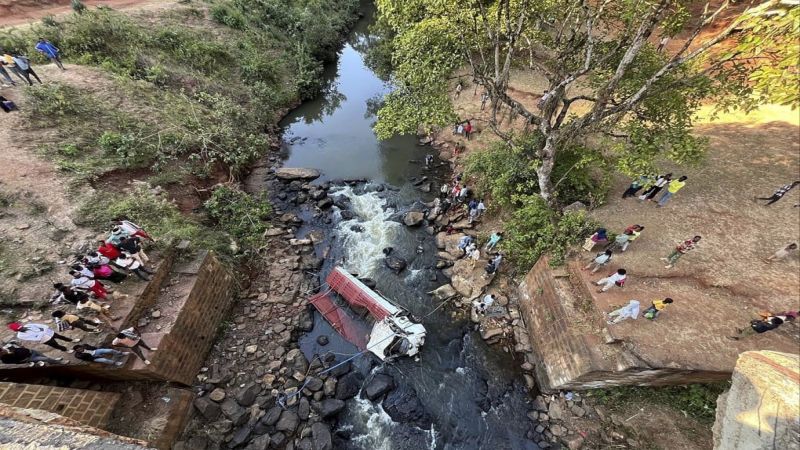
(288, 422)
(443, 292)
(403, 405)
(449, 243)
(247, 396)
(349, 385)
(207, 408)
(468, 281)
(413, 218)
(329, 407)
(321, 436)
(380, 384)
(296, 173)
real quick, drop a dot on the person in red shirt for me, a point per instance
(108, 250)
(467, 129)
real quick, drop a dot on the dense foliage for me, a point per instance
(607, 83)
(696, 400)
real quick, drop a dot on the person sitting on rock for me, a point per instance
(108, 250)
(65, 294)
(90, 353)
(133, 246)
(127, 262)
(130, 338)
(83, 283)
(481, 306)
(83, 270)
(463, 243)
(12, 353)
(66, 322)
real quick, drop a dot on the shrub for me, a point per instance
(54, 100)
(239, 214)
(696, 400)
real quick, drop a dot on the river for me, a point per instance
(473, 393)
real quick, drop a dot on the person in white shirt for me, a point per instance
(126, 261)
(630, 311)
(484, 304)
(481, 207)
(616, 279)
(42, 334)
(474, 255)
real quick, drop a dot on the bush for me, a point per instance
(696, 400)
(54, 100)
(239, 214)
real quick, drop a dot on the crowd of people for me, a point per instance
(116, 258)
(646, 188)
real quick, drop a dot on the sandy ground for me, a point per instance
(21, 12)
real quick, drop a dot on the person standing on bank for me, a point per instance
(24, 67)
(661, 181)
(129, 338)
(680, 250)
(49, 50)
(672, 188)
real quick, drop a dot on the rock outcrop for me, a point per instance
(296, 173)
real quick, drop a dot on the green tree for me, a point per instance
(606, 79)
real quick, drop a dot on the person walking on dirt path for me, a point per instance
(484, 99)
(90, 353)
(6, 76)
(779, 193)
(655, 308)
(24, 67)
(129, 338)
(635, 231)
(12, 353)
(680, 250)
(758, 327)
(635, 186)
(784, 252)
(66, 322)
(36, 332)
(617, 278)
(600, 260)
(459, 88)
(620, 240)
(49, 50)
(672, 188)
(659, 184)
(480, 207)
(468, 129)
(8, 61)
(493, 240)
(629, 311)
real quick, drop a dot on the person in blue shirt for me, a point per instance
(50, 51)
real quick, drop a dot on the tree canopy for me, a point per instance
(612, 71)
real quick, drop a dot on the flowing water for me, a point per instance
(473, 393)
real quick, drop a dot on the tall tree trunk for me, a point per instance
(545, 171)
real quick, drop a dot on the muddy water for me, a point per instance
(472, 392)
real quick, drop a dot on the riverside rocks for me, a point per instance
(379, 384)
(413, 218)
(395, 263)
(403, 405)
(296, 173)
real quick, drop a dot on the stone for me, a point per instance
(539, 428)
(329, 407)
(346, 215)
(240, 436)
(247, 396)
(329, 387)
(278, 439)
(217, 395)
(403, 405)
(490, 333)
(272, 232)
(207, 408)
(272, 415)
(530, 382)
(322, 340)
(395, 263)
(314, 384)
(321, 436)
(379, 385)
(574, 207)
(303, 409)
(526, 366)
(296, 173)
(288, 421)
(534, 416)
(574, 442)
(557, 430)
(349, 385)
(578, 411)
(413, 218)
(325, 203)
(443, 292)
(259, 443)
(305, 444)
(155, 314)
(555, 411)
(233, 411)
(250, 349)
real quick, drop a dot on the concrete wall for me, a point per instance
(570, 348)
(762, 408)
(86, 407)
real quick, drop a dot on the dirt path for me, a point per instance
(20, 12)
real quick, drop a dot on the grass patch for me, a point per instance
(698, 401)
